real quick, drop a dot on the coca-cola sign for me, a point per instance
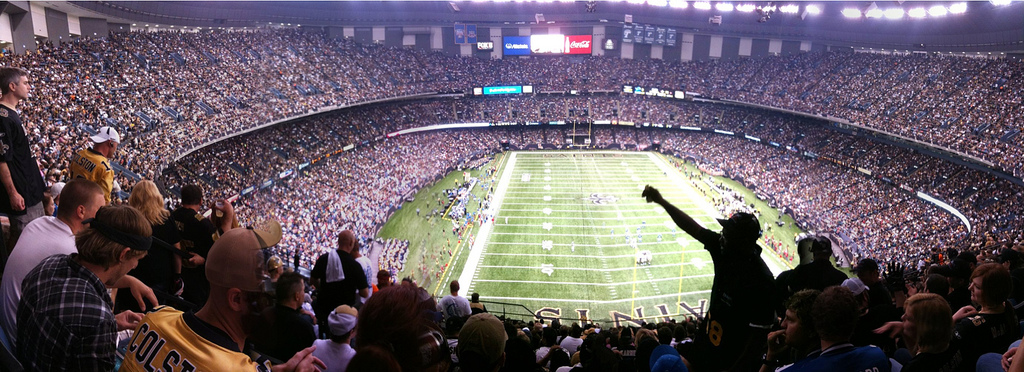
(578, 44)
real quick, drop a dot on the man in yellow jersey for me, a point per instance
(93, 164)
(214, 338)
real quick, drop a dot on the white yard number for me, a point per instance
(547, 226)
(547, 244)
(547, 211)
(547, 269)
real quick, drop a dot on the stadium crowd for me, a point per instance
(168, 93)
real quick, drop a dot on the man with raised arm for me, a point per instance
(740, 312)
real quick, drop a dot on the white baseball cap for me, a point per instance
(106, 134)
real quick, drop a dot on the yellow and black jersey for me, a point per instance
(169, 340)
(94, 167)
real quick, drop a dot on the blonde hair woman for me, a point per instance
(161, 268)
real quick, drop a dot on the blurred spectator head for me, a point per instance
(55, 190)
(191, 194)
(482, 344)
(819, 246)
(147, 199)
(665, 358)
(835, 314)
(741, 228)
(346, 241)
(1010, 258)
(454, 287)
(80, 199)
(10, 81)
(236, 270)
(342, 321)
(383, 279)
(289, 290)
(474, 298)
(859, 291)
(867, 271)
(275, 267)
(928, 321)
(937, 284)
(105, 141)
(798, 321)
(116, 238)
(394, 320)
(990, 284)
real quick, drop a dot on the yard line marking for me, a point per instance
(550, 300)
(590, 284)
(590, 256)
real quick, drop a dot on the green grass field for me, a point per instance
(559, 245)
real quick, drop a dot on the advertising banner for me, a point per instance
(578, 44)
(649, 35)
(659, 38)
(670, 37)
(516, 45)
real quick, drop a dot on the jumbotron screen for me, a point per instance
(551, 44)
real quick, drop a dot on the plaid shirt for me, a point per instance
(64, 319)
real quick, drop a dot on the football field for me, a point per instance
(568, 230)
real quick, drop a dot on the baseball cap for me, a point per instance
(274, 262)
(866, 265)
(743, 224)
(484, 335)
(855, 285)
(665, 358)
(236, 258)
(342, 320)
(106, 134)
(816, 244)
(56, 188)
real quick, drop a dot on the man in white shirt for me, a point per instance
(368, 270)
(47, 236)
(454, 306)
(336, 353)
(572, 343)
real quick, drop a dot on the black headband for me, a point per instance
(136, 242)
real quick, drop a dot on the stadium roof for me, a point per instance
(996, 25)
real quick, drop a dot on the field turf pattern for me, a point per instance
(593, 198)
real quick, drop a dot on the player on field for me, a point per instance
(741, 312)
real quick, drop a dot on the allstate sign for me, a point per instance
(516, 45)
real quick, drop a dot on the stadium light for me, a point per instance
(894, 13)
(637, 1)
(874, 13)
(813, 9)
(658, 2)
(917, 13)
(703, 5)
(791, 8)
(938, 11)
(1000, 2)
(681, 4)
(958, 8)
(724, 7)
(747, 8)
(851, 13)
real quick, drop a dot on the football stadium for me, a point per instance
(512, 185)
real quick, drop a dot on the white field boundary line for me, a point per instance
(676, 253)
(594, 235)
(554, 300)
(593, 284)
(674, 174)
(585, 218)
(475, 253)
(560, 218)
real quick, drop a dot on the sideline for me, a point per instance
(475, 252)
